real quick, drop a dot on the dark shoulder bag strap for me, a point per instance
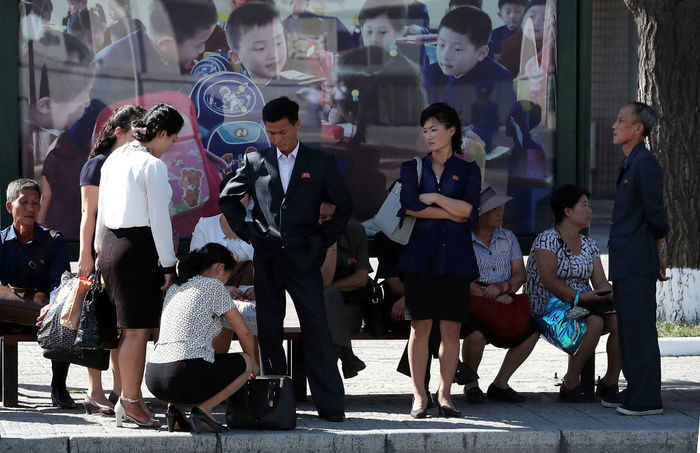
(31, 266)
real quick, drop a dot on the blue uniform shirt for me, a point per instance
(440, 246)
(14, 256)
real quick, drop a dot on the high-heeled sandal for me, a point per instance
(202, 423)
(446, 411)
(421, 412)
(120, 414)
(175, 417)
(91, 406)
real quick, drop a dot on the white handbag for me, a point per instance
(387, 219)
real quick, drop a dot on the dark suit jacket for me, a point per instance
(639, 216)
(290, 220)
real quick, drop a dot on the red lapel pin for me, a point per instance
(306, 175)
(455, 177)
(627, 181)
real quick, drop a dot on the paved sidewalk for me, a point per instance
(378, 401)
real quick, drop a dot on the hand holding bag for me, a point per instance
(70, 315)
(560, 330)
(387, 219)
(58, 342)
(266, 402)
(98, 319)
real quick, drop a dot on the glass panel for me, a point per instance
(361, 78)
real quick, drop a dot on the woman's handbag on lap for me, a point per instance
(387, 219)
(266, 402)
(98, 319)
(58, 342)
(560, 330)
(507, 321)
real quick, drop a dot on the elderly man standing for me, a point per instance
(639, 226)
(32, 257)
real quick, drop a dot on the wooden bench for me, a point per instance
(10, 366)
(295, 359)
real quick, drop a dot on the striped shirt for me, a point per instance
(495, 259)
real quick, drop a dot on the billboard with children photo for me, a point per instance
(360, 72)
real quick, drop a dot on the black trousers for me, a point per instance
(272, 277)
(635, 299)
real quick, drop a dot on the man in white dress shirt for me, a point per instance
(288, 182)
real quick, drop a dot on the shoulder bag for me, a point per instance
(387, 219)
(98, 319)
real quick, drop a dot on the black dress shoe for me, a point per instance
(474, 395)
(508, 394)
(352, 364)
(177, 420)
(332, 416)
(202, 423)
(61, 398)
(574, 395)
(464, 375)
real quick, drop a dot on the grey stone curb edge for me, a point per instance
(554, 441)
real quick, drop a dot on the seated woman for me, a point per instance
(561, 264)
(501, 274)
(216, 229)
(184, 368)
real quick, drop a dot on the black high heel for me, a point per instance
(419, 413)
(173, 416)
(202, 423)
(446, 411)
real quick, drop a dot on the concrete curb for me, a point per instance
(460, 440)
(679, 346)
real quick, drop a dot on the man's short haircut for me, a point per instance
(532, 3)
(645, 115)
(502, 3)
(470, 22)
(14, 188)
(280, 108)
(181, 19)
(246, 17)
(395, 10)
(459, 3)
(566, 197)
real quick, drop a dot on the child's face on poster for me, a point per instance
(262, 50)
(189, 49)
(456, 54)
(379, 31)
(512, 14)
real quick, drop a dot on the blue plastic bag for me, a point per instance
(564, 333)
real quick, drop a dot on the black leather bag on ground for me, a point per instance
(58, 342)
(266, 402)
(98, 319)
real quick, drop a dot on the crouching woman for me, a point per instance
(184, 368)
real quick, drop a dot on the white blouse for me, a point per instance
(190, 320)
(208, 229)
(135, 192)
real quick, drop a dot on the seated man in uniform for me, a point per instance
(346, 291)
(32, 258)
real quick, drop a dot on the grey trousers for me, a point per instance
(344, 319)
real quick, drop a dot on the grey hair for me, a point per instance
(18, 185)
(645, 115)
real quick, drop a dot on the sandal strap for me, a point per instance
(130, 400)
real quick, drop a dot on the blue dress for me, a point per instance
(438, 261)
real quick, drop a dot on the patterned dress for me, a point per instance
(573, 270)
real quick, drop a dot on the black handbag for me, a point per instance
(58, 342)
(98, 319)
(375, 310)
(266, 402)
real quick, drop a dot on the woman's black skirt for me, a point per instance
(129, 263)
(443, 297)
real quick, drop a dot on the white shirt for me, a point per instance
(208, 229)
(135, 192)
(286, 165)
